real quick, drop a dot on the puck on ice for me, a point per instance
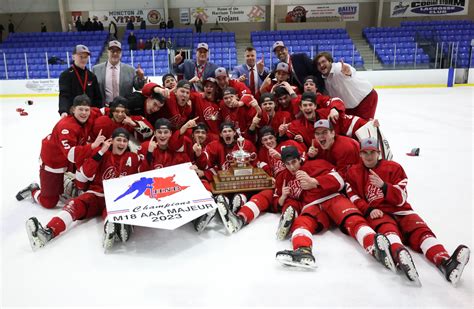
(415, 152)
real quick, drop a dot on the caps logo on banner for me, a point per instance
(164, 198)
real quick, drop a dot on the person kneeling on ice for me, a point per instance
(321, 185)
(378, 188)
(104, 164)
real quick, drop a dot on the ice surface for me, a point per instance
(181, 268)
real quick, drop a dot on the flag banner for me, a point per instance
(428, 8)
(345, 11)
(121, 17)
(233, 14)
(165, 198)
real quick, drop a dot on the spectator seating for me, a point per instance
(309, 41)
(222, 48)
(400, 44)
(32, 50)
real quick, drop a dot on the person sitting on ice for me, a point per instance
(102, 165)
(378, 189)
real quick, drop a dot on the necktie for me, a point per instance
(115, 91)
(252, 81)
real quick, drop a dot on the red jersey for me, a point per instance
(273, 166)
(207, 111)
(98, 168)
(342, 154)
(240, 87)
(325, 101)
(276, 120)
(142, 131)
(305, 127)
(160, 158)
(367, 196)
(330, 183)
(66, 143)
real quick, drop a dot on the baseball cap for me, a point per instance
(369, 143)
(166, 76)
(281, 66)
(220, 72)
(289, 153)
(163, 122)
(121, 132)
(228, 90)
(202, 45)
(184, 83)
(227, 124)
(81, 49)
(278, 44)
(308, 96)
(200, 126)
(210, 80)
(267, 96)
(323, 123)
(115, 43)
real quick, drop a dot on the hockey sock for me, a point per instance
(365, 237)
(301, 237)
(60, 222)
(249, 211)
(433, 250)
(395, 243)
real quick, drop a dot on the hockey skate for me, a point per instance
(453, 267)
(37, 234)
(27, 192)
(406, 265)
(201, 222)
(382, 252)
(115, 232)
(301, 257)
(70, 189)
(286, 221)
(231, 221)
(238, 200)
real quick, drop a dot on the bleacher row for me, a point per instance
(309, 41)
(398, 44)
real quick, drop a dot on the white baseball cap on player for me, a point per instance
(220, 72)
(323, 123)
(369, 143)
(81, 49)
(278, 44)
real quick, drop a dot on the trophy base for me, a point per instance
(241, 180)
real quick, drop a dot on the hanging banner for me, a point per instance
(236, 14)
(165, 198)
(121, 17)
(428, 8)
(345, 11)
(184, 16)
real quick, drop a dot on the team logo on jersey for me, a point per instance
(154, 188)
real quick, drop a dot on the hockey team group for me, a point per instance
(310, 123)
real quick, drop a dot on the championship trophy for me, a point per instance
(241, 176)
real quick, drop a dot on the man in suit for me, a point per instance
(251, 73)
(201, 68)
(300, 66)
(116, 78)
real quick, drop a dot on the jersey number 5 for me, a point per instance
(65, 144)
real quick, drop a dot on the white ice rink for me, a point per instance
(181, 268)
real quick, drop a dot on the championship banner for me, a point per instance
(345, 11)
(428, 8)
(236, 14)
(165, 198)
(121, 17)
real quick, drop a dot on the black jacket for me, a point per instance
(303, 66)
(70, 87)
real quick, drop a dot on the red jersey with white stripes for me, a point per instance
(66, 143)
(343, 153)
(107, 166)
(366, 196)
